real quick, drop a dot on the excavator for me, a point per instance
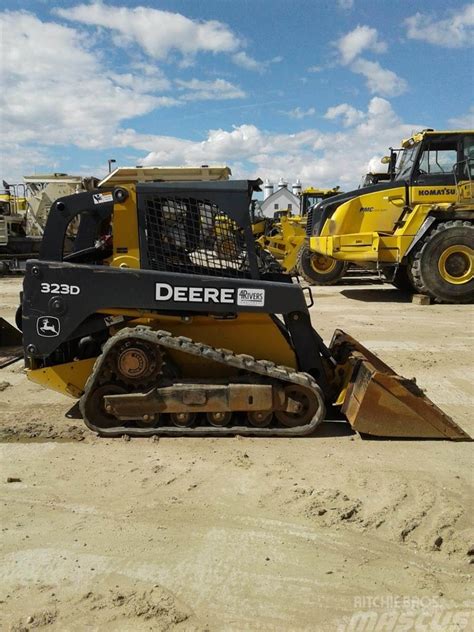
(157, 330)
(417, 224)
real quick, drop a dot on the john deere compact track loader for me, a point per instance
(159, 330)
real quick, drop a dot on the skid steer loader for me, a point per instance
(418, 226)
(158, 330)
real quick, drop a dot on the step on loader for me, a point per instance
(158, 329)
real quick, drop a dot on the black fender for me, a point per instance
(433, 218)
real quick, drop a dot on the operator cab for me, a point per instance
(433, 158)
(427, 168)
(311, 197)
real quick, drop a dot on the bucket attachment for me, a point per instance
(380, 402)
(11, 344)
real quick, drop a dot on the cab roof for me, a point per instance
(315, 191)
(418, 137)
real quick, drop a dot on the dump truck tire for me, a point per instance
(317, 269)
(442, 265)
(401, 279)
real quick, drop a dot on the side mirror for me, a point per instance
(385, 160)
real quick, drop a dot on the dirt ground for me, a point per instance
(330, 532)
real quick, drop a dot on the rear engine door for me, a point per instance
(374, 211)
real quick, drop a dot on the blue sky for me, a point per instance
(310, 89)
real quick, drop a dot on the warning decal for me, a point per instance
(101, 198)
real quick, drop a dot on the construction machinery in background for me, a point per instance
(158, 330)
(13, 207)
(374, 177)
(284, 238)
(43, 190)
(24, 208)
(418, 226)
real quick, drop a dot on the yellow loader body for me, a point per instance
(284, 243)
(362, 228)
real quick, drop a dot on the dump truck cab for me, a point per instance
(384, 222)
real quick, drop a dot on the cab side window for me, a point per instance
(437, 163)
(468, 158)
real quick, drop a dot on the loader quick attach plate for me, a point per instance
(382, 403)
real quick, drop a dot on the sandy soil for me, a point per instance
(245, 533)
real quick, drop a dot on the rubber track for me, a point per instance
(223, 356)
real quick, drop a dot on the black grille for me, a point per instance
(193, 236)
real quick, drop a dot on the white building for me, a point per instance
(280, 200)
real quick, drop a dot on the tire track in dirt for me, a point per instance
(413, 513)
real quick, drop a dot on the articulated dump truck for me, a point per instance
(159, 330)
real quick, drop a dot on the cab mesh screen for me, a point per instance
(193, 236)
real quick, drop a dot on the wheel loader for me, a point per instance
(285, 240)
(156, 330)
(418, 227)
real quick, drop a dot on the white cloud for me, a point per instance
(129, 80)
(249, 63)
(356, 41)
(25, 160)
(158, 32)
(245, 61)
(345, 5)
(379, 80)
(465, 121)
(348, 113)
(315, 68)
(317, 158)
(207, 90)
(71, 97)
(298, 113)
(59, 91)
(454, 31)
